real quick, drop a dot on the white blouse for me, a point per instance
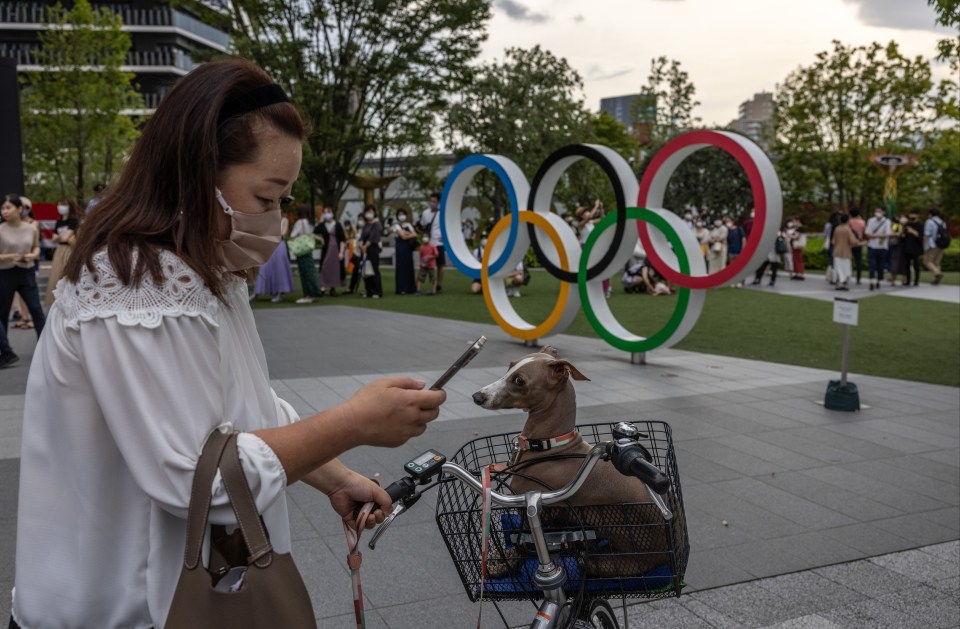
(125, 386)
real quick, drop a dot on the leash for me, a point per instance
(355, 558)
(485, 535)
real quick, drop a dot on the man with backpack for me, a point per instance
(935, 239)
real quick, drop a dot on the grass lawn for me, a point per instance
(909, 339)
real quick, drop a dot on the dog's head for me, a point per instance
(529, 381)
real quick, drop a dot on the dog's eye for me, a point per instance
(518, 381)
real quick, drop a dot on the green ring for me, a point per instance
(683, 296)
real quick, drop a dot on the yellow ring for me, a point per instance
(544, 328)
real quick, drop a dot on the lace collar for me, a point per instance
(99, 294)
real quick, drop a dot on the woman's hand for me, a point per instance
(353, 494)
(391, 411)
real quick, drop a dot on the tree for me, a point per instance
(369, 74)
(524, 107)
(665, 105)
(74, 123)
(830, 115)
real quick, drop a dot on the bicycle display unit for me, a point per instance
(568, 561)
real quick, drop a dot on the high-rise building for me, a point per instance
(755, 118)
(623, 107)
(163, 39)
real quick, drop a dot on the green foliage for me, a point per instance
(850, 102)
(523, 107)
(666, 103)
(75, 134)
(370, 75)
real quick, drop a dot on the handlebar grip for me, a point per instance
(400, 489)
(650, 474)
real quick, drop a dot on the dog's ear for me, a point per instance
(549, 349)
(559, 369)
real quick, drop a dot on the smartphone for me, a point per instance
(461, 362)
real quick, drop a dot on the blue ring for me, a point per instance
(490, 164)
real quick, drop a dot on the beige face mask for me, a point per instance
(253, 237)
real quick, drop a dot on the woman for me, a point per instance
(64, 235)
(151, 346)
(370, 246)
(19, 248)
(404, 242)
(275, 277)
(309, 283)
(333, 248)
(798, 244)
(717, 248)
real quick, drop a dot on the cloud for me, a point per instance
(901, 14)
(520, 13)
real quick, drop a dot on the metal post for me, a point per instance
(638, 358)
(843, 355)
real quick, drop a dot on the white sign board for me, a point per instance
(845, 311)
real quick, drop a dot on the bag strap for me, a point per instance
(200, 495)
(244, 507)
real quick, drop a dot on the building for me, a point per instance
(756, 118)
(623, 108)
(163, 40)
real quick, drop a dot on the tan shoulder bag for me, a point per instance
(257, 588)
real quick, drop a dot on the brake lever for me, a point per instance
(402, 506)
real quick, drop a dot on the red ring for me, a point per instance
(734, 269)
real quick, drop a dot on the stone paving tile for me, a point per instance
(948, 518)
(920, 531)
(867, 578)
(750, 605)
(835, 498)
(927, 467)
(906, 478)
(867, 538)
(904, 500)
(869, 614)
(918, 565)
(812, 621)
(862, 431)
(736, 460)
(949, 551)
(756, 521)
(785, 504)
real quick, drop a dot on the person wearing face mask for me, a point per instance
(798, 244)
(64, 235)
(702, 234)
(332, 252)
(877, 233)
(404, 241)
(428, 265)
(370, 245)
(152, 346)
(19, 248)
(717, 247)
(355, 254)
(309, 283)
(275, 277)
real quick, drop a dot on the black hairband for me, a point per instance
(254, 99)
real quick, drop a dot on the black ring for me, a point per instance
(588, 152)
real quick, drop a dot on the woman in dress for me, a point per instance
(64, 235)
(19, 249)
(309, 284)
(152, 346)
(331, 253)
(275, 277)
(404, 243)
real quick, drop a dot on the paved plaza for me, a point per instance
(798, 516)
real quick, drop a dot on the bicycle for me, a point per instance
(536, 554)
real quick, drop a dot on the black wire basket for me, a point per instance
(611, 551)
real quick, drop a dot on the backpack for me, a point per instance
(781, 245)
(942, 239)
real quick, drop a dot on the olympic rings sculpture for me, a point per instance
(670, 246)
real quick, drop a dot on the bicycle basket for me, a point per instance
(612, 551)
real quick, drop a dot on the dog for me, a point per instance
(540, 384)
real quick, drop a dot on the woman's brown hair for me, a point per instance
(164, 197)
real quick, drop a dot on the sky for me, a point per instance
(731, 49)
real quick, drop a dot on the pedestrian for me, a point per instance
(404, 242)
(912, 251)
(831, 224)
(702, 234)
(309, 283)
(798, 244)
(98, 191)
(932, 249)
(19, 249)
(370, 245)
(877, 232)
(354, 255)
(772, 261)
(844, 240)
(895, 245)
(857, 225)
(64, 235)
(153, 347)
(430, 224)
(428, 265)
(476, 285)
(717, 248)
(275, 277)
(332, 251)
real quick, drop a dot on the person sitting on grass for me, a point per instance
(514, 281)
(428, 265)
